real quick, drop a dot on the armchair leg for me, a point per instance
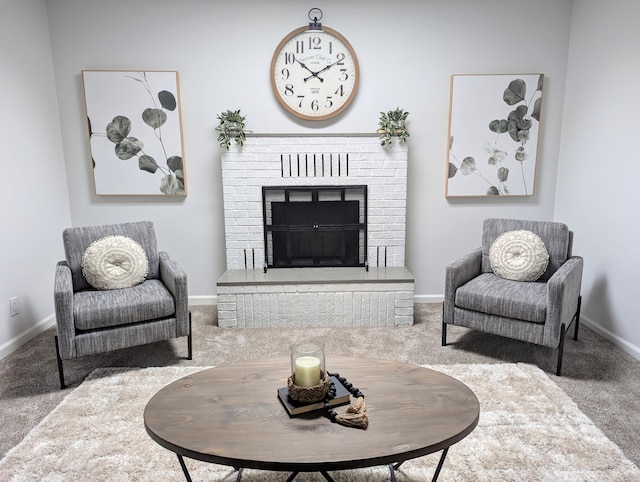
(575, 332)
(560, 350)
(444, 329)
(60, 369)
(190, 341)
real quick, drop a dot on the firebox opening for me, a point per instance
(315, 226)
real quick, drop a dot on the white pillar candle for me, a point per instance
(307, 371)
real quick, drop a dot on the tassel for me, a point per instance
(355, 416)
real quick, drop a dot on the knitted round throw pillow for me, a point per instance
(114, 262)
(519, 255)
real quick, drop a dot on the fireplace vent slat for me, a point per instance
(304, 165)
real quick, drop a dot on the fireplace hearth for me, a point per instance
(315, 226)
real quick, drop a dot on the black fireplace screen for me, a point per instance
(306, 226)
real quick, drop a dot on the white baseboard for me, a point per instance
(16, 342)
(630, 348)
(428, 298)
(202, 300)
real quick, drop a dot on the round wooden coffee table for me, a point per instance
(231, 415)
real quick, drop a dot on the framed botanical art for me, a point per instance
(135, 132)
(494, 125)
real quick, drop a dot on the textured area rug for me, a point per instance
(528, 430)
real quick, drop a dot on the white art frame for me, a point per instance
(135, 132)
(494, 125)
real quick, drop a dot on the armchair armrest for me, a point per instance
(175, 279)
(563, 291)
(458, 273)
(63, 302)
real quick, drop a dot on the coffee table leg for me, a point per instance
(324, 474)
(439, 467)
(393, 468)
(184, 468)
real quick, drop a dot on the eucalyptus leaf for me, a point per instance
(503, 174)
(468, 165)
(521, 155)
(493, 191)
(171, 185)
(499, 126)
(167, 100)
(128, 148)
(540, 81)
(154, 117)
(536, 109)
(518, 113)
(452, 170)
(450, 142)
(179, 174)
(516, 92)
(516, 133)
(118, 128)
(147, 163)
(174, 163)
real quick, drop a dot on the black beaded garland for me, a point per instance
(332, 414)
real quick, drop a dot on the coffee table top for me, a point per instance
(231, 415)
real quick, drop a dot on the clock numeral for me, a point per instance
(314, 105)
(285, 74)
(340, 91)
(315, 43)
(288, 89)
(301, 97)
(300, 46)
(329, 103)
(289, 58)
(343, 75)
(330, 47)
(340, 58)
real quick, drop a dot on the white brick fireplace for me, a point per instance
(380, 295)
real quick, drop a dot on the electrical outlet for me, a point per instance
(13, 306)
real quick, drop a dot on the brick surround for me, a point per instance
(314, 160)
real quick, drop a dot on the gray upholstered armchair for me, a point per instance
(91, 321)
(538, 311)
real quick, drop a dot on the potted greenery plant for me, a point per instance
(393, 123)
(231, 127)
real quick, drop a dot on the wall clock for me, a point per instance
(314, 72)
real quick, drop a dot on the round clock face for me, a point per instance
(314, 73)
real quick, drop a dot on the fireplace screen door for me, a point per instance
(307, 226)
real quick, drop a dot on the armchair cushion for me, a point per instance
(519, 255)
(77, 240)
(556, 237)
(114, 262)
(95, 309)
(493, 295)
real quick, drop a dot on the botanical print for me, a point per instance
(135, 132)
(493, 134)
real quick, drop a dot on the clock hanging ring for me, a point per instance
(314, 72)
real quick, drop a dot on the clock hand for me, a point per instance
(313, 74)
(328, 66)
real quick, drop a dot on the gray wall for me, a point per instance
(597, 191)
(34, 200)
(407, 51)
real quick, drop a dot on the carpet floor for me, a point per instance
(97, 433)
(602, 380)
